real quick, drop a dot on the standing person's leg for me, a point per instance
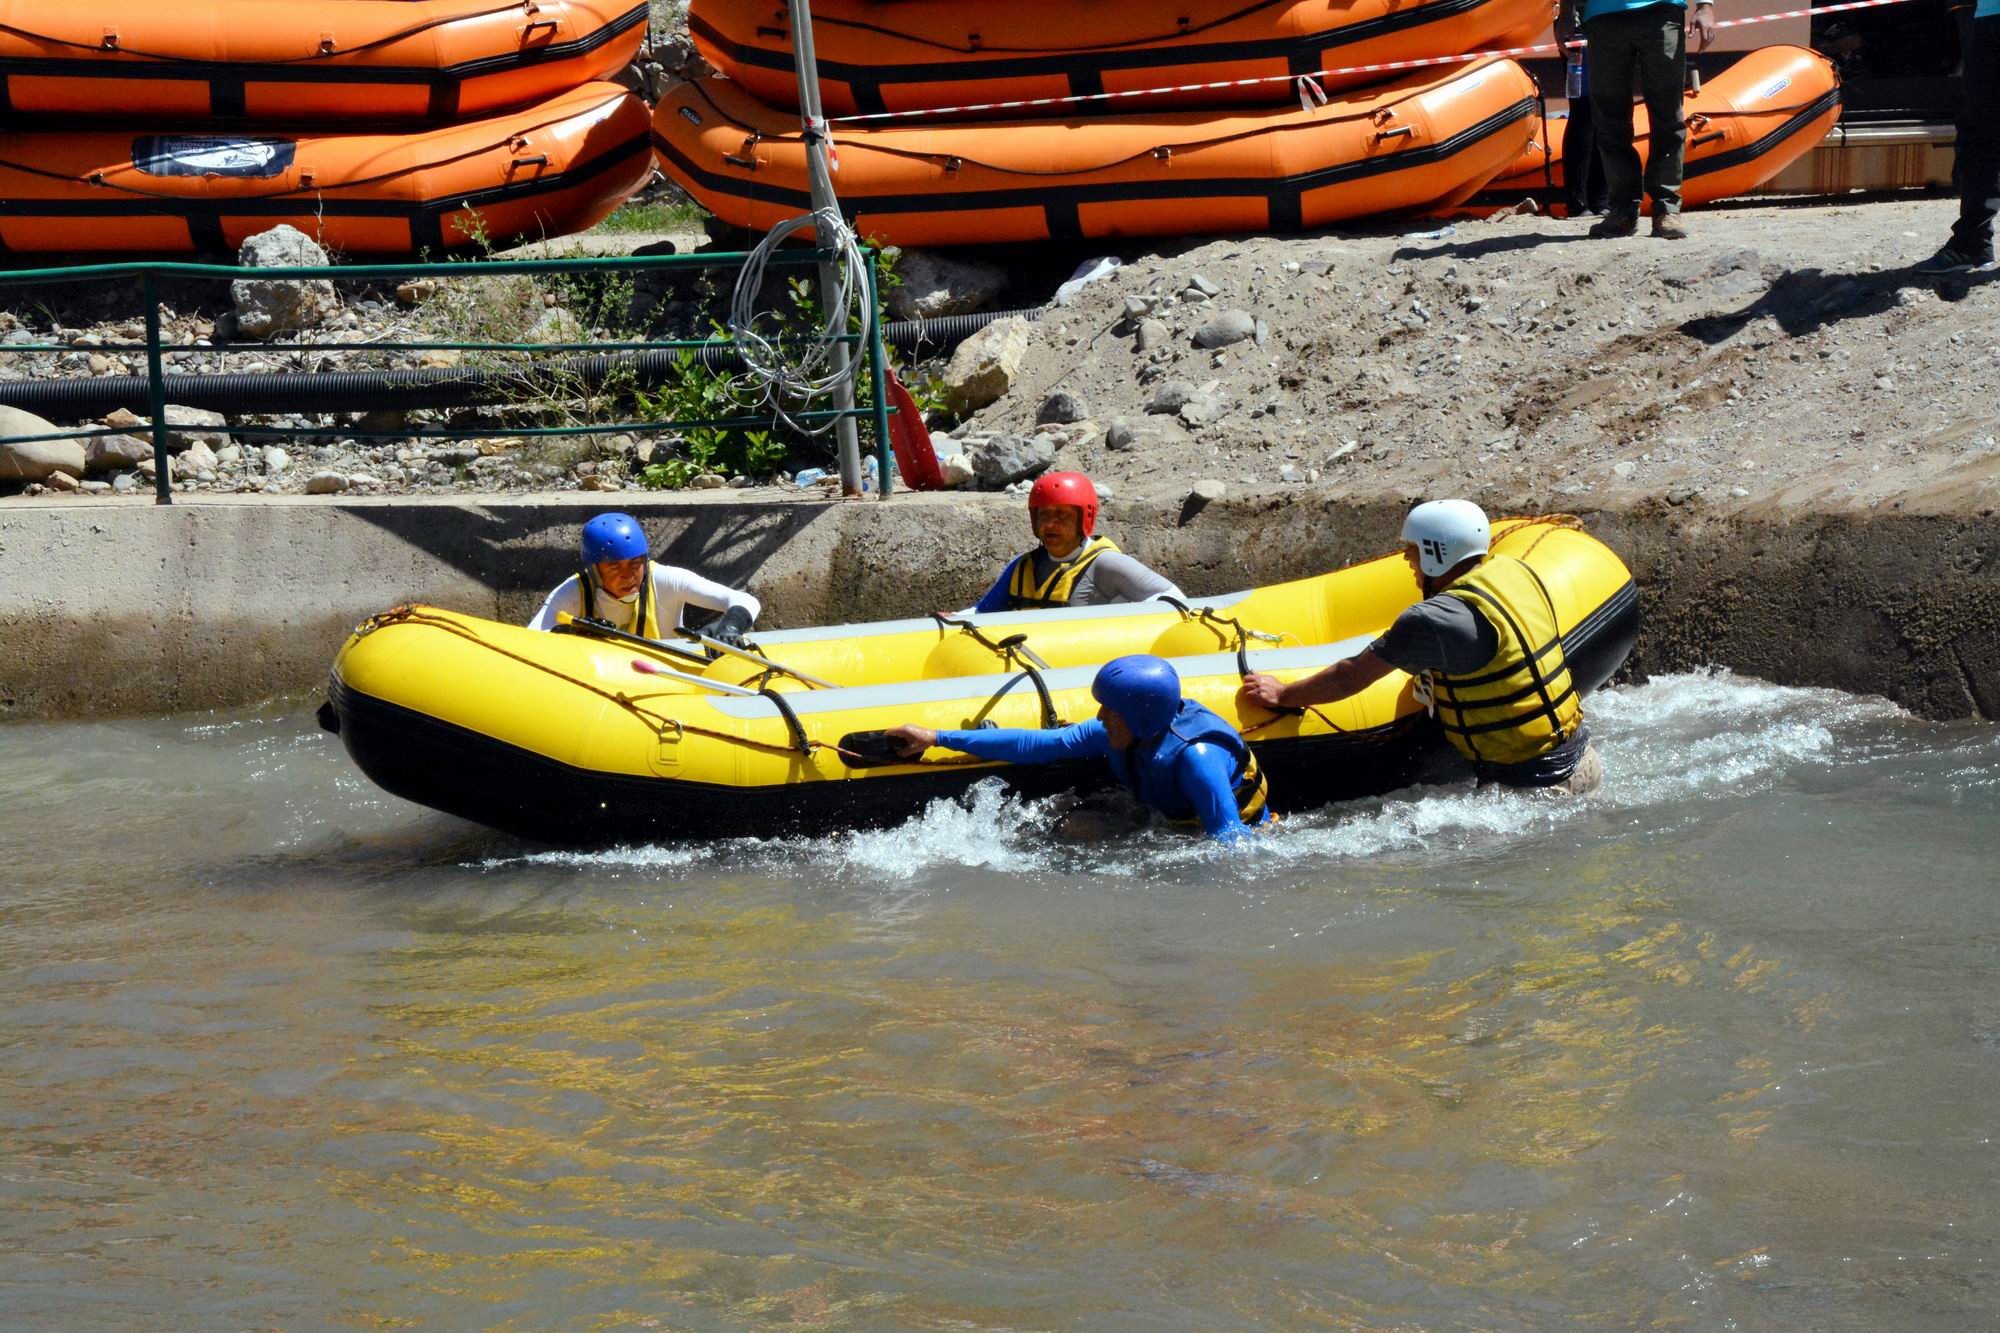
(1612, 57)
(1581, 168)
(1979, 144)
(1662, 75)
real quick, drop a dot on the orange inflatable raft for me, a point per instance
(337, 62)
(941, 53)
(553, 168)
(1416, 144)
(1746, 125)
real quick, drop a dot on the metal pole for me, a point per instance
(156, 394)
(821, 178)
(876, 373)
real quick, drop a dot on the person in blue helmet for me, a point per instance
(619, 583)
(1174, 754)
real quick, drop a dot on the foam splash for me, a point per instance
(1680, 738)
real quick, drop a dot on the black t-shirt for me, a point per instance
(1441, 634)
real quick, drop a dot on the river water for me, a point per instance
(1720, 1049)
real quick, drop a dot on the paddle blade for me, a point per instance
(916, 457)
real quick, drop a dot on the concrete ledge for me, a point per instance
(118, 608)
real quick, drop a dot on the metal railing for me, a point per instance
(151, 275)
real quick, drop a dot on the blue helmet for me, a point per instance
(1143, 689)
(612, 537)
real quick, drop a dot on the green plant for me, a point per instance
(695, 393)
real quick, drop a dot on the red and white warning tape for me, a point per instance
(1309, 88)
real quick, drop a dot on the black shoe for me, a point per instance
(1614, 225)
(1951, 259)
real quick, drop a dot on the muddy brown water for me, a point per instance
(1718, 1050)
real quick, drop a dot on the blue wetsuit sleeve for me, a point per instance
(996, 596)
(1085, 740)
(1206, 776)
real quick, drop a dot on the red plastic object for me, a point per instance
(916, 459)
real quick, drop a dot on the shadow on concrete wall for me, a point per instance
(532, 548)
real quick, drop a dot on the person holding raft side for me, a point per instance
(1487, 642)
(1174, 754)
(1073, 566)
(620, 584)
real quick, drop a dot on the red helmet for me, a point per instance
(1066, 488)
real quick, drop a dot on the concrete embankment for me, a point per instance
(131, 609)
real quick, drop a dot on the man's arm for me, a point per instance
(567, 599)
(1206, 775)
(1344, 678)
(1120, 578)
(672, 584)
(1013, 745)
(996, 598)
(1701, 24)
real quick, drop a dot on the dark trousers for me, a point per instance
(1979, 142)
(1651, 44)
(1583, 172)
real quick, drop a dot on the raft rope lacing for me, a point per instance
(663, 725)
(317, 55)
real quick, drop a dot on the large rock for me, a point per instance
(1062, 408)
(932, 286)
(1000, 460)
(985, 365)
(1226, 330)
(265, 307)
(186, 426)
(115, 453)
(42, 459)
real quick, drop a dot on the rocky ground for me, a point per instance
(1784, 353)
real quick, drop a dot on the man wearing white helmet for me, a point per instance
(1488, 641)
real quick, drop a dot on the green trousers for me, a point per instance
(1651, 45)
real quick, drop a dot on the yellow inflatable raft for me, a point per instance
(587, 738)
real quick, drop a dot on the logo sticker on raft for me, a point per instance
(1775, 89)
(211, 155)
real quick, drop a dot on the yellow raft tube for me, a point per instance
(583, 738)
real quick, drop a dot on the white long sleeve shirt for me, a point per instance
(674, 590)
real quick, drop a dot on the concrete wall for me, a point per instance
(126, 608)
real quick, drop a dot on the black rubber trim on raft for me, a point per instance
(368, 390)
(205, 217)
(1049, 197)
(1750, 152)
(212, 71)
(465, 773)
(1087, 67)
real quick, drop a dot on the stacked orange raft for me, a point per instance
(375, 126)
(1744, 127)
(1245, 154)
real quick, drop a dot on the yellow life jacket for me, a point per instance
(645, 621)
(1522, 704)
(1023, 594)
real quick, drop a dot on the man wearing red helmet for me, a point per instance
(1073, 566)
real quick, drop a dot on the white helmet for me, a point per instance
(1446, 532)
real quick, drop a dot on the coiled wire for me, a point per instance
(792, 383)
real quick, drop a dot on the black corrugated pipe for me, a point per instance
(408, 390)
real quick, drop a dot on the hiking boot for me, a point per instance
(1669, 227)
(1614, 225)
(1951, 259)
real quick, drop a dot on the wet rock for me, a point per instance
(38, 461)
(1226, 330)
(264, 307)
(934, 286)
(985, 366)
(1060, 409)
(1001, 460)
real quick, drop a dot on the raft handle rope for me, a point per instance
(1015, 652)
(1207, 615)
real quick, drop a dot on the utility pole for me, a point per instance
(820, 175)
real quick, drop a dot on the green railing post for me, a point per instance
(156, 392)
(884, 466)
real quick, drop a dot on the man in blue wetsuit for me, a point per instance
(1174, 754)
